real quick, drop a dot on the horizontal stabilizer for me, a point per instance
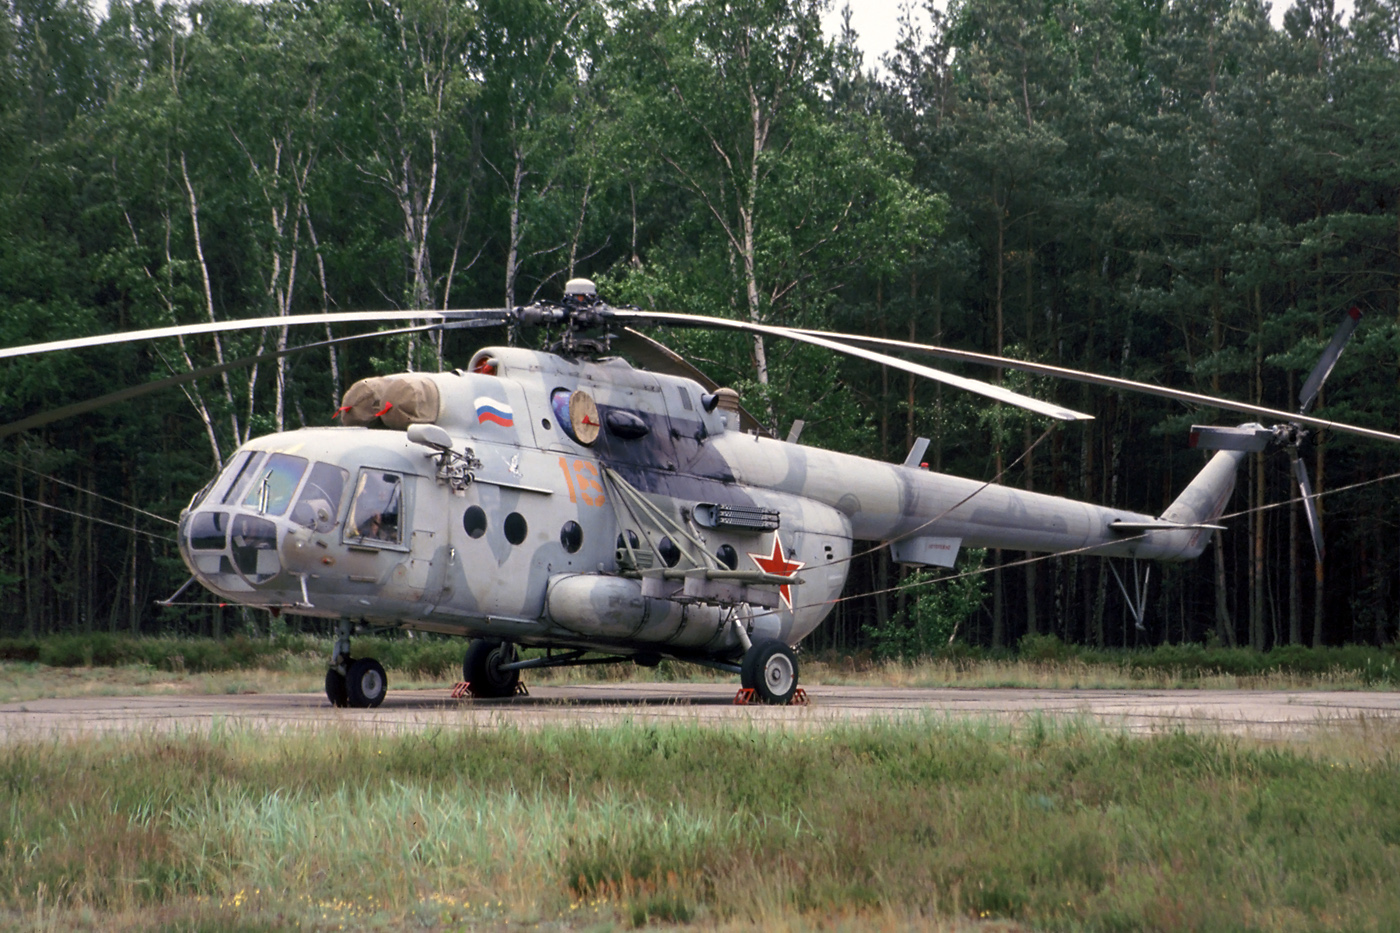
(926, 551)
(1248, 437)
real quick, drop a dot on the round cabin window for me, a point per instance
(728, 556)
(474, 521)
(516, 528)
(571, 536)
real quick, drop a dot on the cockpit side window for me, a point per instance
(318, 506)
(273, 483)
(377, 509)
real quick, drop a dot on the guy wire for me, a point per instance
(13, 462)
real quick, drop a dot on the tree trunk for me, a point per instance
(193, 205)
(1318, 568)
(1032, 616)
(998, 598)
(515, 233)
(1295, 583)
(1256, 567)
(1224, 624)
(1223, 619)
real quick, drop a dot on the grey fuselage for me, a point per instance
(531, 546)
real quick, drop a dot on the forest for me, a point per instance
(1177, 192)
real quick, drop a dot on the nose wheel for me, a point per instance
(769, 669)
(363, 686)
(359, 683)
(366, 684)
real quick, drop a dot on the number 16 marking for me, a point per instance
(583, 482)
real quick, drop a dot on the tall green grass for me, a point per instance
(431, 657)
(1059, 827)
(440, 658)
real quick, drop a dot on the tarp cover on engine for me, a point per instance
(392, 401)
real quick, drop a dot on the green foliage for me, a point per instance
(939, 608)
(1042, 648)
(440, 658)
(1179, 193)
(423, 656)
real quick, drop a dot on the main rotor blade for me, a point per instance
(657, 357)
(1252, 438)
(1112, 382)
(1323, 369)
(817, 338)
(478, 317)
(146, 388)
(1300, 473)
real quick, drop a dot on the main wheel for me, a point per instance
(335, 688)
(769, 669)
(482, 668)
(366, 683)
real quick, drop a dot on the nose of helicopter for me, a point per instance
(232, 551)
(241, 535)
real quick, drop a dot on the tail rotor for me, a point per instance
(1255, 437)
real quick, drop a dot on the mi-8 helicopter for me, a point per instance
(566, 500)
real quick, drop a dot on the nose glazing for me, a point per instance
(230, 551)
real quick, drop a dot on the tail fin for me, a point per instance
(1205, 497)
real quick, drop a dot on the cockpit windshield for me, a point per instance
(273, 482)
(319, 503)
(238, 474)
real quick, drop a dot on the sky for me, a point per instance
(876, 22)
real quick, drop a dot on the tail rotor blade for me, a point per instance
(1323, 369)
(1300, 473)
(1250, 437)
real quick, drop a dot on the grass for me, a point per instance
(102, 664)
(912, 825)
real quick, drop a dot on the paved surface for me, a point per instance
(1262, 713)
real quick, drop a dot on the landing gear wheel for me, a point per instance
(366, 683)
(335, 688)
(769, 669)
(482, 668)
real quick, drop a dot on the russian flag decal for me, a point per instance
(489, 409)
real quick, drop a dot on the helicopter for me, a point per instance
(566, 500)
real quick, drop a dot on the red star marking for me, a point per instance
(780, 565)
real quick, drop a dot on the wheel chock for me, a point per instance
(520, 689)
(462, 691)
(746, 695)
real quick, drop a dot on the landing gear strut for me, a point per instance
(769, 669)
(355, 682)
